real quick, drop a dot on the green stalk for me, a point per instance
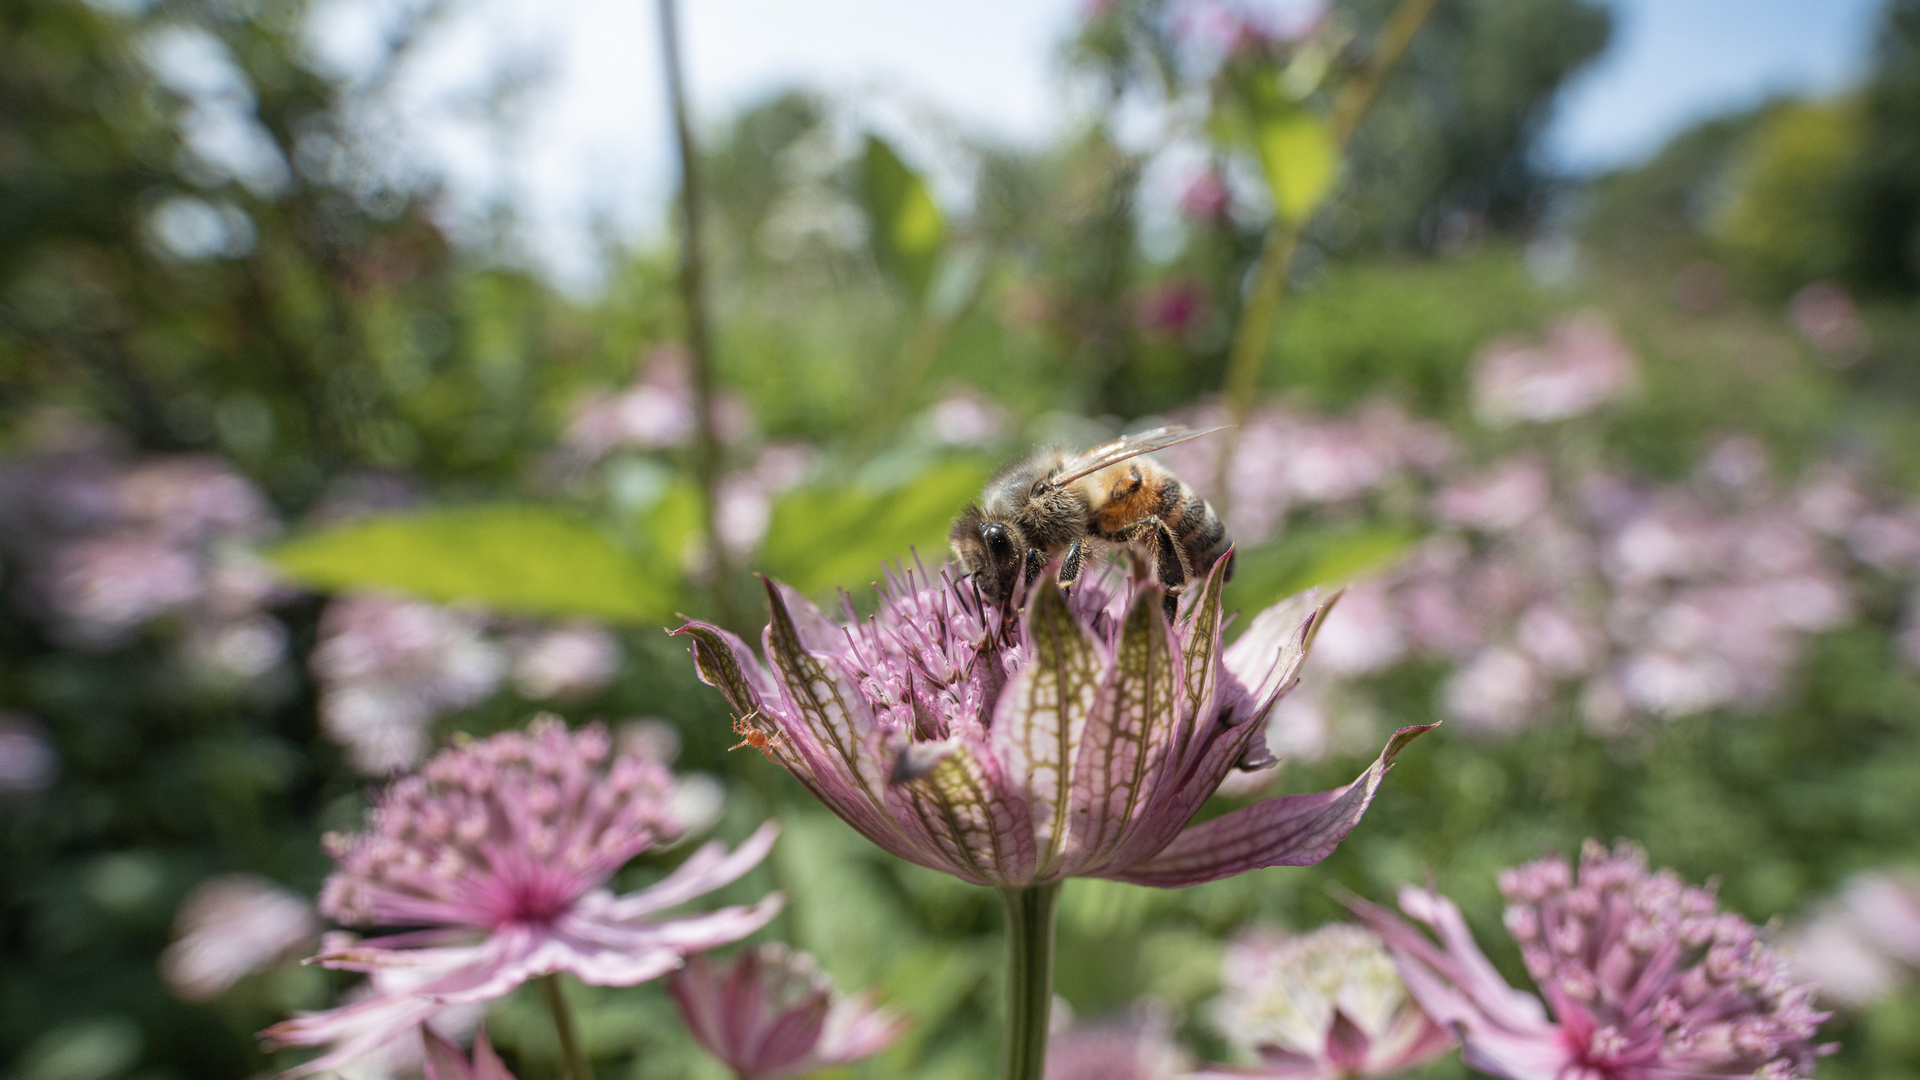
(693, 298)
(578, 1067)
(1283, 237)
(1029, 977)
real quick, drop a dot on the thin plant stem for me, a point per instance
(1283, 236)
(578, 1067)
(1030, 913)
(693, 297)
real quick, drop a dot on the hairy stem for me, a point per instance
(578, 1067)
(1283, 237)
(1029, 977)
(693, 297)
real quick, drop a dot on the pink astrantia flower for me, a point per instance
(1645, 977)
(1078, 743)
(771, 1014)
(1138, 1046)
(444, 1061)
(1320, 1006)
(498, 852)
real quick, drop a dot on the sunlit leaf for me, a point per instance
(1309, 557)
(905, 223)
(519, 559)
(1299, 159)
(822, 538)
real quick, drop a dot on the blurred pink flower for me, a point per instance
(771, 1014)
(1319, 1006)
(1503, 498)
(498, 852)
(569, 661)
(387, 667)
(1826, 317)
(1362, 633)
(655, 413)
(1645, 977)
(1206, 197)
(1138, 1047)
(966, 418)
(191, 499)
(102, 588)
(444, 1061)
(27, 760)
(230, 927)
(1583, 365)
(1044, 756)
(1498, 692)
(1172, 308)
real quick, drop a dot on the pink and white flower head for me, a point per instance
(1320, 1006)
(498, 853)
(1078, 741)
(444, 1061)
(1645, 977)
(229, 928)
(771, 1013)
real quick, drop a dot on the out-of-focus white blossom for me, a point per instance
(1862, 945)
(387, 667)
(655, 413)
(1582, 365)
(569, 661)
(231, 927)
(1497, 692)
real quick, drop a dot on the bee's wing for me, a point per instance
(1127, 446)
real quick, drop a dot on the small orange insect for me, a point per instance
(752, 734)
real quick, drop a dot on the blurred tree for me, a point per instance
(199, 246)
(1783, 217)
(1885, 195)
(1451, 148)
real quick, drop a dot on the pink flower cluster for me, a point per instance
(1286, 460)
(1644, 979)
(109, 545)
(388, 667)
(497, 854)
(1619, 599)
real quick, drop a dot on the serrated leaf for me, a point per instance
(1308, 557)
(904, 223)
(825, 538)
(518, 559)
(1299, 159)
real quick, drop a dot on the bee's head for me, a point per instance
(988, 552)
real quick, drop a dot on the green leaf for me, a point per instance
(905, 224)
(1299, 159)
(517, 559)
(1308, 557)
(823, 538)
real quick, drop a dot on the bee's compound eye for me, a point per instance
(997, 540)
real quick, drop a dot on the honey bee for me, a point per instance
(1052, 505)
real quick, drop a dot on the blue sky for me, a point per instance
(592, 152)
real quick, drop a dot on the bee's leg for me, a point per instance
(1035, 563)
(1071, 564)
(1168, 565)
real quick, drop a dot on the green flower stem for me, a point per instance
(1283, 237)
(1029, 977)
(578, 1067)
